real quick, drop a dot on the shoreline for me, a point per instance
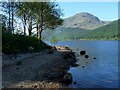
(46, 69)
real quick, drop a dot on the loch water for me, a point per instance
(100, 70)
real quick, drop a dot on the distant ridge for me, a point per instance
(101, 30)
(84, 20)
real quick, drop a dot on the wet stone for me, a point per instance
(94, 58)
(83, 66)
(82, 52)
(86, 56)
(67, 79)
(74, 82)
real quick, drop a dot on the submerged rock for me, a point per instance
(74, 82)
(83, 66)
(94, 58)
(82, 52)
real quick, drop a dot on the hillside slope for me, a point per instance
(83, 20)
(106, 32)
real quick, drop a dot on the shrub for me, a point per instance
(14, 43)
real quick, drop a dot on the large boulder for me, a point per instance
(67, 79)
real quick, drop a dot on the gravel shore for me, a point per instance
(45, 69)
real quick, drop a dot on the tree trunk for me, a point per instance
(24, 21)
(9, 15)
(41, 24)
(12, 9)
(40, 28)
(41, 33)
(37, 27)
(30, 33)
(24, 30)
(30, 27)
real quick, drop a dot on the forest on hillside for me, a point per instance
(106, 32)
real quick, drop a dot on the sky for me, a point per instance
(107, 11)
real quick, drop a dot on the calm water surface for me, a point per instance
(101, 72)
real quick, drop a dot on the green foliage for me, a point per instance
(107, 32)
(14, 43)
(41, 14)
(53, 39)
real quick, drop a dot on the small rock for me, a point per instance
(83, 52)
(74, 82)
(35, 86)
(86, 62)
(94, 58)
(67, 79)
(83, 66)
(86, 56)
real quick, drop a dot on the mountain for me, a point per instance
(109, 31)
(83, 20)
(84, 26)
(106, 32)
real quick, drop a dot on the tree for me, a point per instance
(3, 22)
(13, 11)
(6, 10)
(47, 15)
(9, 8)
(22, 13)
(41, 15)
